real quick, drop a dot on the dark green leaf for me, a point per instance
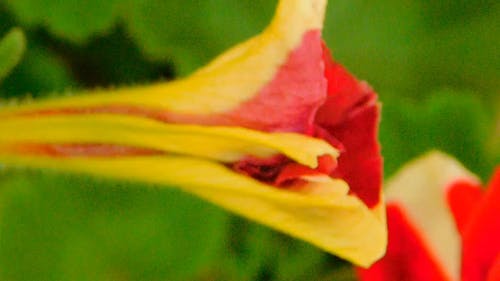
(12, 47)
(40, 73)
(75, 20)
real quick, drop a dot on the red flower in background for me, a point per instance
(442, 225)
(477, 214)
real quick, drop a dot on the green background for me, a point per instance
(435, 65)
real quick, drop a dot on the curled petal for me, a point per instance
(259, 102)
(350, 117)
(225, 144)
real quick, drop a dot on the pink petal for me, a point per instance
(291, 99)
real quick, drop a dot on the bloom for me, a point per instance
(442, 225)
(272, 129)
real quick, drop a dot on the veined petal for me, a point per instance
(334, 221)
(424, 243)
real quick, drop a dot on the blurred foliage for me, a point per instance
(11, 50)
(454, 122)
(434, 63)
(72, 228)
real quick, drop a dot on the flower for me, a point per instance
(272, 129)
(442, 225)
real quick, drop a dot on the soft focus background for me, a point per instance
(435, 65)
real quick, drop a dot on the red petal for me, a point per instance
(345, 93)
(481, 236)
(463, 197)
(265, 170)
(407, 257)
(494, 273)
(351, 115)
(293, 171)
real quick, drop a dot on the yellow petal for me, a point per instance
(334, 221)
(419, 189)
(226, 144)
(232, 78)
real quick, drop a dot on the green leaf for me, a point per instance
(457, 123)
(464, 55)
(256, 252)
(165, 31)
(57, 227)
(446, 13)
(113, 60)
(74, 20)
(397, 46)
(249, 251)
(40, 73)
(162, 29)
(416, 47)
(375, 41)
(297, 260)
(12, 47)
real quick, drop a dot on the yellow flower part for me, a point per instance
(225, 144)
(226, 82)
(272, 130)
